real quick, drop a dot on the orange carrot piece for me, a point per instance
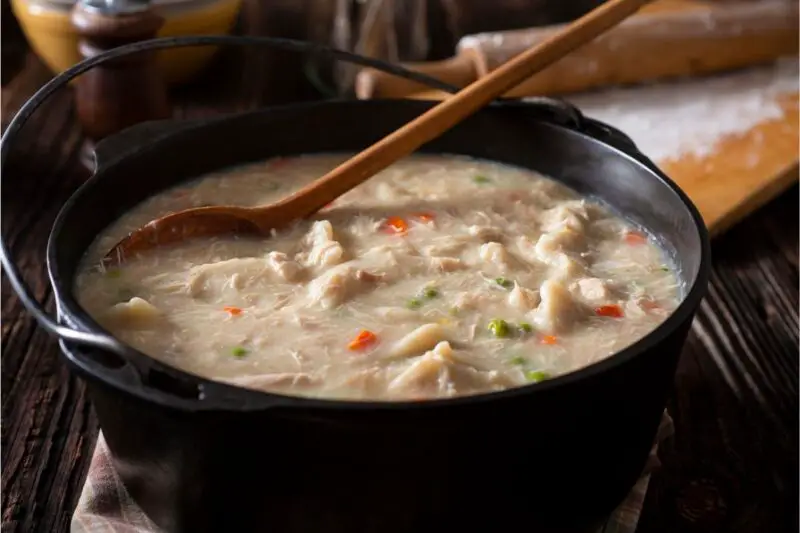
(613, 311)
(549, 339)
(635, 237)
(424, 217)
(363, 340)
(233, 311)
(396, 225)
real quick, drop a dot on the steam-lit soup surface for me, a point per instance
(441, 276)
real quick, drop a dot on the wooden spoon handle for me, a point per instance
(437, 120)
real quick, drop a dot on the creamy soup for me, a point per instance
(441, 276)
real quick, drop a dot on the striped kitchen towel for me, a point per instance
(106, 507)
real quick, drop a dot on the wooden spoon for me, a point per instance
(209, 221)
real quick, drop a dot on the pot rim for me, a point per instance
(228, 397)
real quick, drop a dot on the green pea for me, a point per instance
(113, 273)
(518, 360)
(505, 283)
(414, 303)
(238, 351)
(430, 293)
(537, 376)
(480, 179)
(499, 328)
(524, 326)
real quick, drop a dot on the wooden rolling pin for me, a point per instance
(669, 38)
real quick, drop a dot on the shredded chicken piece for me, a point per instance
(286, 268)
(470, 300)
(370, 378)
(396, 313)
(495, 253)
(565, 267)
(417, 341)
(593, 290)
(390, 192)
(522, 298)
(135, 313)
(324, 250)
(305, 322)
(485, 233)
(234, 273)
(557, 311)
(363, 275)
(439, 373)
(445, 264)
(561, 240)
(449, 247)
(527, 249)
(392, 261)
(433, 365)
(333, 287)
(571, 215)
(557, 250)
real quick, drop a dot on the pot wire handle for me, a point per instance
(44, 320)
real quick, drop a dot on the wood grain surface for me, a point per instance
(731, 467)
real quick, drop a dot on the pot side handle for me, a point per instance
(610, 135)
(554, 110)
(616, 139)
(567, 114)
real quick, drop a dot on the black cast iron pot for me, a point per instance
(200, 456)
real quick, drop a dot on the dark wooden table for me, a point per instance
(732, 465)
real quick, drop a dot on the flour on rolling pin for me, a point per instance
(670, 120)
(685, 20)
(667, 39)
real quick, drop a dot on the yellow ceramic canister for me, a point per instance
(47, 26)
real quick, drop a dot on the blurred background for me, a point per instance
(412, 30)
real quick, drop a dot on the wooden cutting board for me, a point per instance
(744, 172)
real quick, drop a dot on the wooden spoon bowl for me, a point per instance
(212, 221)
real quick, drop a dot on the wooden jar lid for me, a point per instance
(127, 90)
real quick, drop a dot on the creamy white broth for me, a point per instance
(441, 276)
